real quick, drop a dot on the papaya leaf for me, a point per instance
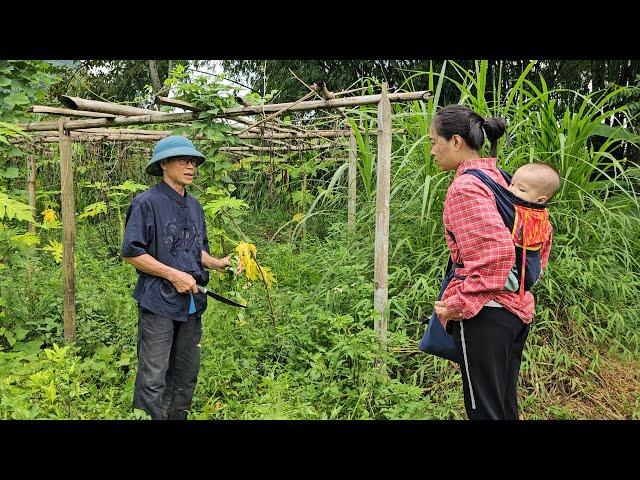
(14, 209)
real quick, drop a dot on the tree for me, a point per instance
(120, 81)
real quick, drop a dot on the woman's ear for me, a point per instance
(457, 142)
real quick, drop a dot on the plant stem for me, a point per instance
(266, 289)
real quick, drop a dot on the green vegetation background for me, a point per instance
(317, 356)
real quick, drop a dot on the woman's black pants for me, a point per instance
(493, 344)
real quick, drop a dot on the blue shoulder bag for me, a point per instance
(436, 340)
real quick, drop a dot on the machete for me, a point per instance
(220, 298)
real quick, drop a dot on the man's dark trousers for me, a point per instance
(494, 341)
(168, 364)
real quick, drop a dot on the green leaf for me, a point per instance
(93, 210)
(17, 98)
(616, 133)
(4, 82)
(11, 172)
(130, 186)
(21, 333)
(56, 249)
(26, 239)
(14, 209)
(225, 204)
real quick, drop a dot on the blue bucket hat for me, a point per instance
(173, 146)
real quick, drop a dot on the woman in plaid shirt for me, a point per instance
(489, 324)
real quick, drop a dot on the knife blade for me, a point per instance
(220, 298)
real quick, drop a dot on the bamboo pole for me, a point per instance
(333, 103)
(280, 111)
(125, 131)
(264, 127)
(172, 102)
(351, 215)
(275, 149)
(68, 232)
(31, 189)
(380, 292)
(314, 134)
(103, 131)
(158, 117)
(92, 138)
(67, 111)
(304, 198)
(112, 122)
(77, 103)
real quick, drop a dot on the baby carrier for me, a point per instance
(529, 226)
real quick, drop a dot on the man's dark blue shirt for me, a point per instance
(171, 228)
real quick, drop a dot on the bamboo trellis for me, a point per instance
(105, 118)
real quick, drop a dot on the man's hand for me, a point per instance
(223, 263)
(442, 311)
(183, 282)
(240, 266)
(219, 264)
(226, 262)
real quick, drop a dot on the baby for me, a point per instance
(535, 182)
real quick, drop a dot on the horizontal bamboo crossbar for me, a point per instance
(312, 134)
(77, 103)
(113, 122)
(309, 134)
(275, 149)
(232, 112)
(84, 137)
(172, 102)
(125, 131)
(107, 131)
(67, 111)
(334, 103)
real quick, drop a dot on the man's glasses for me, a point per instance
(186, 161)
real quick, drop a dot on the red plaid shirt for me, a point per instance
(483, 244)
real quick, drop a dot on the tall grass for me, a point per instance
(586, 302)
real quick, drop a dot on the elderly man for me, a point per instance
(166, 241)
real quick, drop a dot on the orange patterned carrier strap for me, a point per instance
(534, 225)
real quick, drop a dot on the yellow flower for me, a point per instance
(49, 215)
(298, 217)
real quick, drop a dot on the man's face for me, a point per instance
(181, 170)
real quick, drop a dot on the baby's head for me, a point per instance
(535, 182)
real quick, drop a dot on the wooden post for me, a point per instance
(31, 189)
(304, 200)
(351, 211)
(380, 292)
(68, 232)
